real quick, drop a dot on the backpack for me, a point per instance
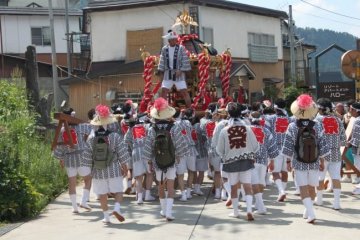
(102, 154)
(164, 149)
(306, 145)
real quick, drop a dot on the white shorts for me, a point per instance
(223, 174)
(110, 185)
(334, 170)
(202, 164)
(170, 174)
(139, 168)
(82, 171)
(258, 174)
(186, 163)
(242, 177)
(280, 164)
(309, 177)
(215, 162)
(168, 84)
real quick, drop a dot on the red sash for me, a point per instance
(73, 137)
(210, 127)
(259, 134)
(139, 132)
(331, 126)
(281, 125)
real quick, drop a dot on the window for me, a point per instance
(208, 35)
(40, 36)
(4, 2)
(261, 39)
(262, 48)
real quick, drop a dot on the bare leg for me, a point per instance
(184, 93)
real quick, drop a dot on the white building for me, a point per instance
(22, 26)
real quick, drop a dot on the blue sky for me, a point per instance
(306, 15)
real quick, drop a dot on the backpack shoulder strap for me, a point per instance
(169, 126)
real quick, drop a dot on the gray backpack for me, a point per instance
(102, 154)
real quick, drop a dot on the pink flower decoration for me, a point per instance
(160, 104)
(102, 110)
(304, 101)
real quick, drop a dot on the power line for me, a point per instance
(313, 15)
(343, 15)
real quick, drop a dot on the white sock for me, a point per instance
(235, 204)
(139, 196)
(147, 194)
(309, 207)
(259, 201)
(169, 205)
(196, 187)
(188, 192)
(337, 192)
(227, 188)
(163, 205)
(223, 192)
(249, 199)
(117, 207)
(106, 216)
(284, 185)
(217, 192)
(73, 202)
(319, 196)
(85, 196)
(279, 186)
(129, 183)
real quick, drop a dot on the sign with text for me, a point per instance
(337, 91)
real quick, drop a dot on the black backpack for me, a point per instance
(164, 149)
(306, 145)
(101, 154)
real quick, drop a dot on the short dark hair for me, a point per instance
(234, 110)
(281, 103)
(324, 103)
(91, 114)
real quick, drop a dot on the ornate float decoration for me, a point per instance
(205, 63)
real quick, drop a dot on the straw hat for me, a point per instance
(161, 109)
(304, 107)
(103, 116)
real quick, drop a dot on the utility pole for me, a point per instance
(68, 55)
(2, 51)
(292, 45)
(53, 59)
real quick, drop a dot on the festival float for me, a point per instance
(206, 63)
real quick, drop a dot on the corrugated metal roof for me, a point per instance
(126, 4)
(36, 11)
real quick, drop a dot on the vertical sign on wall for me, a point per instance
(194, 13)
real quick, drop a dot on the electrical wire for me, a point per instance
(339, 14)
(324, 18)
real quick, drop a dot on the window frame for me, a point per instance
(44, 37)
(261, 39)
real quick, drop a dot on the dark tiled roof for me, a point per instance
(126, 4)
(107, 69)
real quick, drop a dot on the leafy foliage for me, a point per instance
(29, 176)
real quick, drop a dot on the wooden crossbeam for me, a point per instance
(64, 120)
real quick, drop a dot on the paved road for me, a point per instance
(200, 218)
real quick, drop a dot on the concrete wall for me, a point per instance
(16, 32)
(230, 28)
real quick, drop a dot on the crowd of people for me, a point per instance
(239, 147)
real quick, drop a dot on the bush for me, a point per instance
(18, 198)
(29, 176)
